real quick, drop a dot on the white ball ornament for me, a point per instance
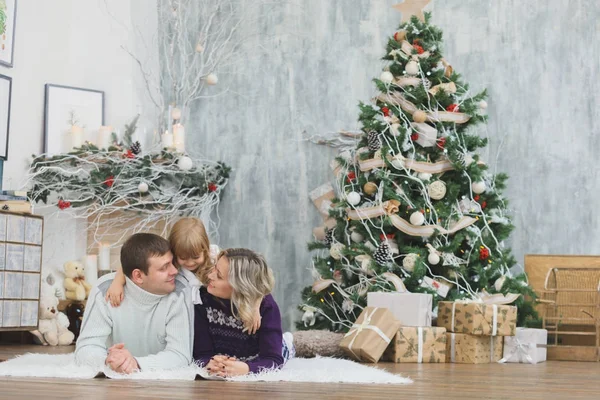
(386, 77)
(417, 218)
(353, 198)
(356, 237)
(212, 79)
(433, 258)
(478, 187)
(424, 176)
(185, 163)
(176, 114)
(143, 187)
(397, 162)
(395, 130)
(412, 68)
(483, 104)
(409, 262)
(469, 160)
(436, 190)
(199, 48)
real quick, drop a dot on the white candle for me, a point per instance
(76, 136)
(179, 137)
(91, 268)
(167, 140)
(104, 137)
(104, 256)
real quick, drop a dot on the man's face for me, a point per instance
(161, 275)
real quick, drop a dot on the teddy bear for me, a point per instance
(53, 324)
(76, 288)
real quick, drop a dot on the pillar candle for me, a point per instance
(91, 268)
(76, 136)
(167, 140)
(104, 256)
(104, 137)
(179, 137)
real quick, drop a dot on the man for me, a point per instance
(151, 327)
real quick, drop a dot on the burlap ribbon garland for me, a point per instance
(409, 164)
(432, 116)
(366, 324)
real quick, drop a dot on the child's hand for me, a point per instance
(114, 294)
(256, 321)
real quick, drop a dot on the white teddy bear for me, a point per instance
(53, 323)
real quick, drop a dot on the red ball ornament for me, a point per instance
(110, 181)
(414, 137)
(441, 143)
(418, 48)
(484, 253)
(385, 111)
(351, 176)
(452, 107)
(63, 204)
(212, 187)
(476, 198)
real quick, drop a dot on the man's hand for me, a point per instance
(120, 360)
(233, 367)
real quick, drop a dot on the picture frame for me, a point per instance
(8, 17)
(68, 109)
(5, 106)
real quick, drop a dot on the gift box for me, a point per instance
(477, 318)
(410, 309)
(370, 335)
(417, 345)
(527, 346)
(463, 348)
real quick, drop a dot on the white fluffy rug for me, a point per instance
(320, 369)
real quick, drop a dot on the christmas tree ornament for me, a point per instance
(399, 36)
(499, 283)
(478, 187)
(386, 113)
(356, 237)
(386, 77)
(353, 198)
(348, 305)
(199, 48)
(436, 190)
(433, 258)
(370, 188)
(408, 8)
(452, 108)
(468, 160)
(484, 253)
(212, 79)
(328, 237)
(383, 254)
(185, 163)
(417, 218)
(397, 161)
(129, 154)
(374, 143)
(414, 136)
(136, 148)
(427, 134)
(337, 276)
(176, 114)
(424, 176)
(212, 187)
(350, 176)
(63, 205)
(419, 116)
(412, 68)
(143, 187)
(309, 318)
(336, 251)
(395, 130)
(441, 143)
(483, 104)
(410, 261)
(110, 181)
(365, 263)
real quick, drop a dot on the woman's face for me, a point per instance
(191, 264)
(218, 280)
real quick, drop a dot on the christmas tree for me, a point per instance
(417, 208)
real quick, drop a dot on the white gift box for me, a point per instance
(528, 346)
(411, 309)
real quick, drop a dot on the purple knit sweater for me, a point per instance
(217, 331)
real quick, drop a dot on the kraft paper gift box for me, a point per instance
(370, 335)
(463, 348)
(477, 318)
(410, 309)
(417, 345)
(528, 346)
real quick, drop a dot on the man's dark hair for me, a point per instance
(139, 248)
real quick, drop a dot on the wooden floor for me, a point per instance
(550, 380)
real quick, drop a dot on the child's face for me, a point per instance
(191, 264)
(218, 280)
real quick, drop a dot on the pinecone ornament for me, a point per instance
(136, 148)
(328, 237)
(383, 254)
(373, 140)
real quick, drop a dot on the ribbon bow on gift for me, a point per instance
(488, 299)
(366, 324)
(522, 349)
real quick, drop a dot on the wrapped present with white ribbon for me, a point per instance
(462, 348)
(370, 335)
(410, 309)
(528, 346)
(417, 345)
(477, 318)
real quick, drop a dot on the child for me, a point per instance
(239, 279)
(193, 255)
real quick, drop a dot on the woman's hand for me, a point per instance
(233, 367)
(114, 294)
(215, 365)
(256, 320)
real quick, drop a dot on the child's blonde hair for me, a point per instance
(251, 280)
(188, 239)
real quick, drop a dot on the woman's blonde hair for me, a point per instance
(251, 280)
(188, 239)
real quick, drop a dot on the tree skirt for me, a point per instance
(320, 369)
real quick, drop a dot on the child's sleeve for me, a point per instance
(270, 338)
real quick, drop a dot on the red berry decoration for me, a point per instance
(414, 137)
(483, 205)
(129, 154)
(441, 143)
(452, 107)
(484, 253)
(385, 111)
(476, 198)
(418, 48)
(351, 176)
(63, 204)
(212, 187)
(110, 181)
(388, 236)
